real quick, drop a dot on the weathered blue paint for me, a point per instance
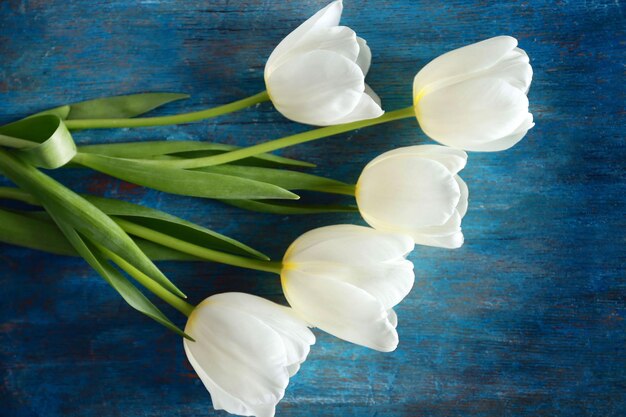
(527, 319)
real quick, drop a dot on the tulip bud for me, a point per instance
(346, 279)
(316, 75)
(245, 350)
(474, 98)
(416, 190)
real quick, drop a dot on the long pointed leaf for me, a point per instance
(115, 107)
(290, 180)
(173, 226)
(20, 230)
(82, 216)
(119, 107)
(135, 298)
(181, 181)
(158, 220)
(36, 230)
(185, 149)
(274, 207)
(61, 112)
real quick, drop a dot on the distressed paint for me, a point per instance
(527, 319)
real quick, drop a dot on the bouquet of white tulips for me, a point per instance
(343, 279)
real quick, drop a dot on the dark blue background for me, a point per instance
(527, 319)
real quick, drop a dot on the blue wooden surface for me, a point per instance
(527, 319)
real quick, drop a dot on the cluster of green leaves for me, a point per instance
(267, 181)
(255, 183)
(91, 233)
(100, 229)
(97, 228)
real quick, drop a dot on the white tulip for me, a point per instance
(245, 350)
(316, 75)
(416, 190)
(346, 279)
(474, 98)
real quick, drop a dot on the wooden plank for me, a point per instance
(526, 319)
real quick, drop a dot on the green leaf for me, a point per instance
(273, 207)
(81, 215)
(290, 180)
(36, 230)
(61, 112)
(185, 149)
(43, 141)
(173, 226)
(21, 230)
(128, 291)
(116, 107)
(154, 219)
(181, 181)
(119, 107)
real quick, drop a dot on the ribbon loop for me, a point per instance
(41, 140)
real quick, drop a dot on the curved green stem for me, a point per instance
(168, 120)
(199, 251)
(178, 303)
(296, 139)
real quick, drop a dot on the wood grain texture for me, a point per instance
(527, 319)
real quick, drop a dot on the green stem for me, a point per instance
(199, 251)
(168, 120)
(348, 189)
(163, 239)
(13, 193)
(296, 139)
(18, 143)
(179, 304)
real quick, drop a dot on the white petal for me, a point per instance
(453, 159)
(240, 360)
(372, 94)
(327, 17)
(405, 192)
(293, 369)
(294, 332)
(367, 108)
(340, 309)
(463, 201)
(316, 88)
(514, 68)
(348, 244)
(461, 63)
(505, 142)
(364, 58)
(388, 282)
(452, 241)
(393, 317)
(473, 112)
(338, 39)
(448, 235)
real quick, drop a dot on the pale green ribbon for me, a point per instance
(41, 140)
(44, 140)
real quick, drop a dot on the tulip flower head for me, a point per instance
(346, 279)
(416, 190)
(245, 350)
(316, 75)
(474, 98)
